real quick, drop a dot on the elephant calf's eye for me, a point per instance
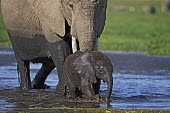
(100, 69)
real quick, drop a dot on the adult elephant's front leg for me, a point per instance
(59, 51)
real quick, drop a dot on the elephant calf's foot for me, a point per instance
(40, 86)
(70, 96)
(101, 98)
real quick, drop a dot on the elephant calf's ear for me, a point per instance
(84, 67)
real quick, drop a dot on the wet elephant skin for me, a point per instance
(84, 71)
(42, 30)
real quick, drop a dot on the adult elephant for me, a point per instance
(39, 31)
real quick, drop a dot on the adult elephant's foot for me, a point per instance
(40, 86)
(60, 88)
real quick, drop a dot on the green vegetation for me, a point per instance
(134, 31)
(129, 30)
(4, 40)
(97, 110)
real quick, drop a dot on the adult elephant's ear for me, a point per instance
(102, 16)
(50, 13)
(84, 66)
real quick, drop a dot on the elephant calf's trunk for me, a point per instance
(110, 86)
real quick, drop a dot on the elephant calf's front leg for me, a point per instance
(70, 92)
(87, 89)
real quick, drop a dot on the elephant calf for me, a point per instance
(84, 71)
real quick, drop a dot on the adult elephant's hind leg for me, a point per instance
(41, 76)
(24, 73)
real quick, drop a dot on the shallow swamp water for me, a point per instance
(141, 81)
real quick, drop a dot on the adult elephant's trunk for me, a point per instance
(84, 27)
(87, 34)
(87, 38)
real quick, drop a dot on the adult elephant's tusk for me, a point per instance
(74, 44)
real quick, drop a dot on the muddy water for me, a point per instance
(140, 81)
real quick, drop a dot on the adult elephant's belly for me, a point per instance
(33, 49)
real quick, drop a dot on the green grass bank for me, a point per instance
(4, 40)
(94, 110)
(130, 29)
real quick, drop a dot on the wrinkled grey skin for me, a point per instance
(40, 33)
(83, 70)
